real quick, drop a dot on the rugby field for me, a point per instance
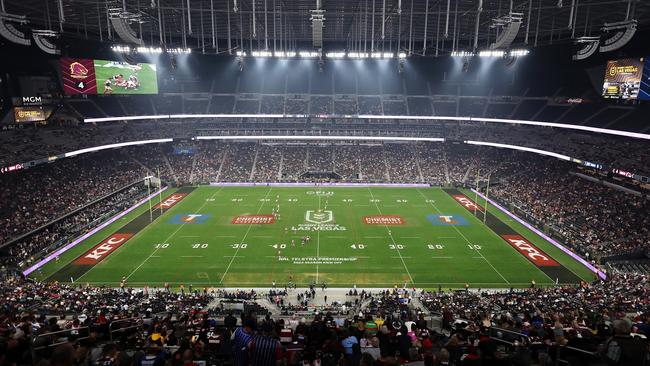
(368, 236)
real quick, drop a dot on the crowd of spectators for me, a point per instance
(26, 250)
(35, 197)
(22, 145)
(594, 219)
(599, 323)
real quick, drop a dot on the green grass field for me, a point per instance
(212, 251)
(105, 70)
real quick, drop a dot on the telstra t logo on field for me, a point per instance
(447, 220)
(321, 217)
(189, 219)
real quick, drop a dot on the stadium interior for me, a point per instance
(521, 125)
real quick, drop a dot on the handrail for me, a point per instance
(110, 326)
(66, 215)
(69, 331)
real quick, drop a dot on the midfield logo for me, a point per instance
(321, 217)
(319, 221)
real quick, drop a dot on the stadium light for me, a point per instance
(388, 55)
(121, 49)
(335, 54)
(261, 53)
(402, 55)
(179, 50)
(358, 55)
(488, 53)
(150, 50)
(462, 54)
(308, 54)
(518, 53)
(241, 54)
(375, 55)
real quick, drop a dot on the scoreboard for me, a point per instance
(628, 79)
(32, 114)
(78, 76)
(32, 109)
(86, 76)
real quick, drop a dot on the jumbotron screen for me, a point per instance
(28, 114)
(623, 78)
(85, 76)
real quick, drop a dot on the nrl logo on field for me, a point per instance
(320, 217)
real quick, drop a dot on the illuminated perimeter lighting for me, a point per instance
(323, 137)
(520, 148)
(384, 117)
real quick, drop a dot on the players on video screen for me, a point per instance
(119, 81)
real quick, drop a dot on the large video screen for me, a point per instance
(84, 76)
(644, 92)
(32, 114)
(623, 78)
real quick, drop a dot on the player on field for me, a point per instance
(132, 82)
(107, 87)
(118, 80)
(293, 243)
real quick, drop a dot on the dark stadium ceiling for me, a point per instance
(348, 23)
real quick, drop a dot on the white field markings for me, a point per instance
(318, 244)
(139, 233)
(464, 237)
(170, 236)
(244, 238)
(521, 258)
(306, 284)
(391, 238)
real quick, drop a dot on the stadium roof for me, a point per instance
(348, 23)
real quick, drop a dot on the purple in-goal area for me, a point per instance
(545, 237)
(332, 184)
(85, 236)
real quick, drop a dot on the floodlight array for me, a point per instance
(149, 50)
(492, 53)
(333, 55)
